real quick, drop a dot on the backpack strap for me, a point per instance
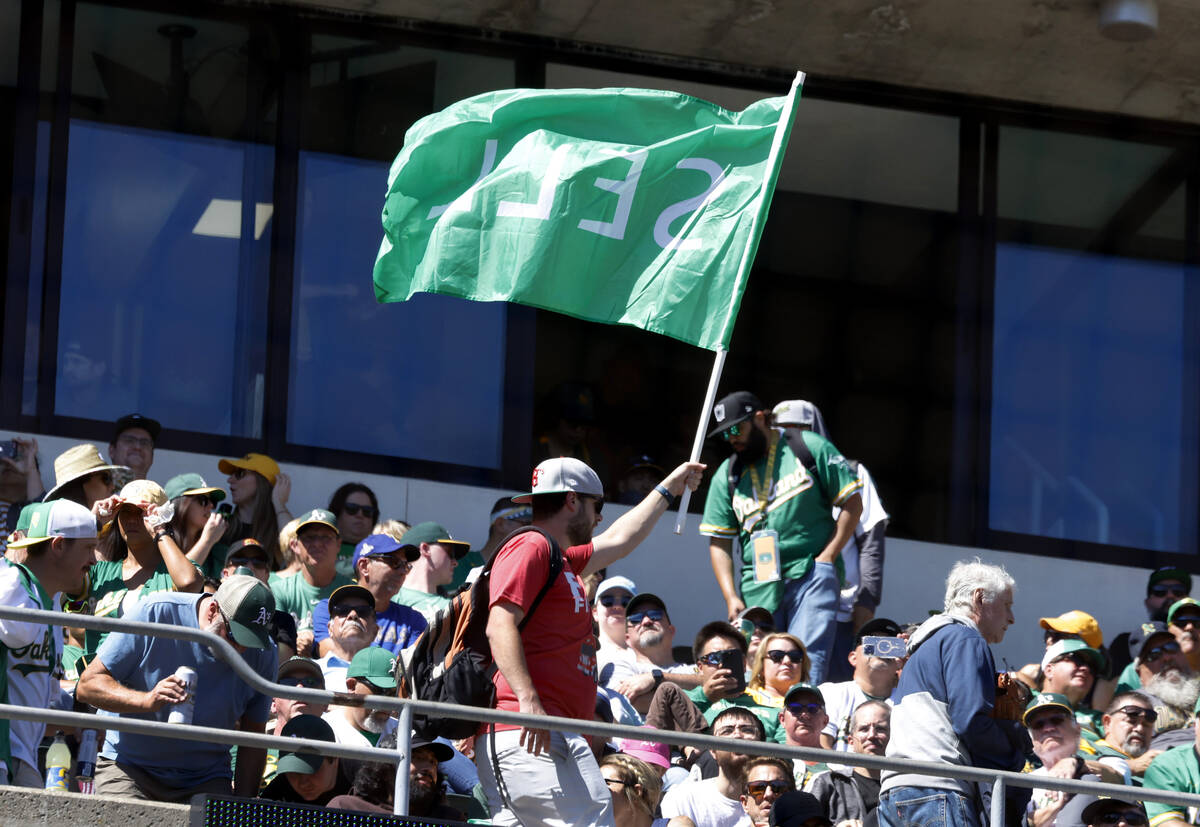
(556, 567)
(795, 440)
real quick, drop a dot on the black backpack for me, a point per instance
(451, 661)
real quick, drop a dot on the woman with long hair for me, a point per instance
(82, 476)
(356, 508)
(636, 790)
(140, 557)
(779, 663)
(259, 491)
(197, 527)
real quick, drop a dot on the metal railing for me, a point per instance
(998, 780)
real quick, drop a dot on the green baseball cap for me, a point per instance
(374, 664)
(248, 605)
(1071, 646)
(1048, 700)
(191, 485)
(1182, 604)
(304, 726)
(434, 533)
(318, 516)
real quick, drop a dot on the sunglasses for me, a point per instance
(1134, 818)
(800, 710)
(344, 610)
(1158, 652)
(377, 690)
(1135, 713)
(1183, 621)
(610, 600)
(306, 681)
(714, 658)
(1160, 590)
(248, 562)
(238, 473)
(794, 655)
(392, 561)
(368, 511)
(597, 502)
(734, 430)
(1044, 721)
(1054, 637)
(758, 789)
(653, 615)
(104, 477)
(618, 782)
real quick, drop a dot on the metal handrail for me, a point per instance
(998, 779)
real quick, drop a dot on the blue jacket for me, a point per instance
(943, 707)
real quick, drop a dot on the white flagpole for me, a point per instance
(710, 396)
(773, 161)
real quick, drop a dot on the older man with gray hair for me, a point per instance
(944, 702)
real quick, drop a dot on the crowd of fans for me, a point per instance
(336, 597)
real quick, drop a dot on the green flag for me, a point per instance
(625, 206)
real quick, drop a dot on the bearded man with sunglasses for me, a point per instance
(779, 504)
(548, 665)
(134, 675)
(1161, 671)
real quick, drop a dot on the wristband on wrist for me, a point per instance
(166, 532)
(667, 495)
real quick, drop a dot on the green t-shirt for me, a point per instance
(425, 603)
(111, 598)
(1176, 769)
(1128, 681)
(796, 508)
(215, 561)
(345, 561)
(768, 715)
(297, 596)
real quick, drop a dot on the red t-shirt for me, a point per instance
(560, 650)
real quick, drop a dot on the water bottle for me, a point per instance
(85, 761)
(181, 713)
(58, 762)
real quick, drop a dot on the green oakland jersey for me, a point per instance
(297, 597)
(1176, 769)
(29, 664)
(110, 597)
(795, 508)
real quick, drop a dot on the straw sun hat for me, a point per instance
(76, 463)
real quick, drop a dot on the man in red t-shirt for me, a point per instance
(549, 666)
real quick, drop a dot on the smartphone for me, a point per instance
(8, 448)
(735, 661)
(225, 508)
(885, 647)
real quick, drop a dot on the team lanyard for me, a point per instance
(763, 493)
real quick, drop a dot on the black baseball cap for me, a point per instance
(643, 599)
(794, 808)
(1140, 636)
(878, 627)
(732, 409)
(136, 420)
(1169, 573)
